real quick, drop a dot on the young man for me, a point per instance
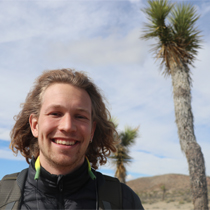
(64, 127)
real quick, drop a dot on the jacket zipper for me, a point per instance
(60, 186)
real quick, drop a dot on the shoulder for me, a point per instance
(10, 176)
(103, 179)
(130, 199)
(7, 181)
(10, 179)
(9, 191)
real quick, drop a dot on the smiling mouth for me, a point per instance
(64, 142)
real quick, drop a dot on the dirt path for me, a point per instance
(168, 206)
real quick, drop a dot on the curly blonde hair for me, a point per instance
(104, 140)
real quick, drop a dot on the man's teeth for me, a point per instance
(65, 142)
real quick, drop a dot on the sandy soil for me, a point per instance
(168, 206)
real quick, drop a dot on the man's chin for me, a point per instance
(67, 162)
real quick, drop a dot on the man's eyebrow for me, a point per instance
(54, 106)
(84, 110)
(58, 106)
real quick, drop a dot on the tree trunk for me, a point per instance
(121, 173)
(184, 120)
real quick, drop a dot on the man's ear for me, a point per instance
(33, 120)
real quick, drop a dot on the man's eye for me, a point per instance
(81, 117)
(55, 114)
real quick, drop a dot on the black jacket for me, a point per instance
(73, 191)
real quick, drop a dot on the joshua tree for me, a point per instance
(163, 188)
(121, 157)
(177, 43)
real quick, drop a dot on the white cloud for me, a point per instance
(113, 50)
(64, 20)
(4, 134)
(150, 164)
(15, 86)
(201, 86)
(154, 165)
(204, 9)
(4, 154)
(129, 177)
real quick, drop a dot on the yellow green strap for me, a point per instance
(91, 174)
(38, 167)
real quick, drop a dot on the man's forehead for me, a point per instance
(61, 106)
(60, 89)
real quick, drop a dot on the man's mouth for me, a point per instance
(64, 142)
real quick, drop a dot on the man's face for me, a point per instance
(64, 127)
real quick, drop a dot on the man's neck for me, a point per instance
(56, 169)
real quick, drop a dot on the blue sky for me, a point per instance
(102, 38)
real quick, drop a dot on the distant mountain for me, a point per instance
(168, 187)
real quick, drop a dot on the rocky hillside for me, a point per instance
(169, 187)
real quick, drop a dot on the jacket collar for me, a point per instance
(50, 183)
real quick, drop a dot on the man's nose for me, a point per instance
(67, 123)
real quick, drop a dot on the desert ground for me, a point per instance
(165, 192)
(168, 206)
